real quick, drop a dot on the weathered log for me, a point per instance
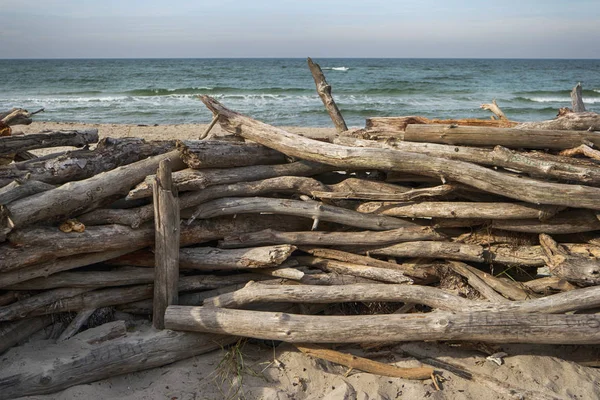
(504, 184)
(166, 231)
(534, 164)
(51, 267)
(45, 244)
(583, 121)
(224, 154)
(136, 216)
(574, 221)
(89, 279)
(455, 209)
(23, 307)
(191, 179)
(209, 258)
(324, 91)
(544, 285)
(74, 197)
(363, 271)
(9, 297)
(398, 124)
(494, 108)
(34, 372)
(364, 364)
(433, 297)
(234, 205)
(20, 188)
(476, 282)
(409, 195)
(584, 150)
(576, 99)
(75, 325)
(282, 272)
(571, 267)
(82, 164)
(423, 272)
(507, 288)
(496, 327)
(12, 333)
(13, 144)
(364, 238)
(531, 256)
(122, 295)
(515, 138)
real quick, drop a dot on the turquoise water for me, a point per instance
(282, 92)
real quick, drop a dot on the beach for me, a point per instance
(266, 370)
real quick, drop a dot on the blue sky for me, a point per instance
(285, 28)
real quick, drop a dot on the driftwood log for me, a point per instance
(225, 154)
(364, 238)
(75, 197)
(507, 137)
(87, 358)
(315, 210)
(191, 179)
(324, 91)
(166, 233)
(14, 144)
(525, 189)
(493, 327)
(82, 164)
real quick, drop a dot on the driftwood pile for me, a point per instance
(395, 232)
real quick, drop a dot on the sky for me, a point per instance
(286, 28)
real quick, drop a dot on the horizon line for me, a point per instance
(295, 58)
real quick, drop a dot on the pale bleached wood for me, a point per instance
(584, 150)
(495, 109)
(166, 231)
(583, 121)
(520, 188)
(76, 324)
(442, 250)
(363, 271)
(414, 194)
(74, 197)
(210, 258)
(13, 144)
(573, 221)
(455, 209)
(282, 272)
(423, 272)
(507, 137)
(322, 238)
(549, 166)
(324, 91)
(493, 327)
(430, 296)
(200, 154)
(549, 283)
(191, 179)
(571, 267)
(475, 281)
(364, 364)
(509, 289)
(577, 99)
(395, 125)
(234, 205)
(136, 216)
(35, 372)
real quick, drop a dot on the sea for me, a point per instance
(282, 91)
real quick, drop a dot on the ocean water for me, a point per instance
(282, 92)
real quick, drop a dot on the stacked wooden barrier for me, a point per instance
(458, 233)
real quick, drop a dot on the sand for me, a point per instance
(281, 372)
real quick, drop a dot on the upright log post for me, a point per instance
(576, 99)
(324, 91)
(166, 223)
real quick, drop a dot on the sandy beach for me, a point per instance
(261, 371)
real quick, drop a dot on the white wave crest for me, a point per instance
(337, 68)
(561, 100)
